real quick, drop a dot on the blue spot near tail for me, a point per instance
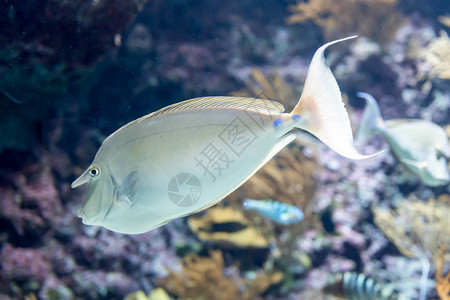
(277, 122)
(295, 117)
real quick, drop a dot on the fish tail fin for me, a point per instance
(371, 122)
(320, 109)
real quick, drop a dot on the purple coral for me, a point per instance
(24, 264)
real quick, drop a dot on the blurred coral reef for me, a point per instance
(445, 20)
(437, 54)
(155, 294)
(48, 49)
(442, 281)
(415, 223)
(227, 227)
(268, 87)
(377, 19)
(207, 278)
(72, 72)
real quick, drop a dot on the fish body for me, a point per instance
(191, 165)
(188, 156)
(281, 213)
(421, 146)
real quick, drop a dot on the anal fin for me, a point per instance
(283, 142)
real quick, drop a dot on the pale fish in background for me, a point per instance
(188, 156)
(281, 213)
(421, 146)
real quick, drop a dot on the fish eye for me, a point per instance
(94, 171)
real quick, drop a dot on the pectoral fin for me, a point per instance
(127, 190)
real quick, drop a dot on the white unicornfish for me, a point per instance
(421, 146)
(281, 213)
(188, 156)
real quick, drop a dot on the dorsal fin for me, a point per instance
(249, 104)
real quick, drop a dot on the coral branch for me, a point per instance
(442, 282)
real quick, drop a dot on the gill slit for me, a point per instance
(115, 192)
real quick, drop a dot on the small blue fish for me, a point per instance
(281, 213)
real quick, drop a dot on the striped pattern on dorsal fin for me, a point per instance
(249, 104)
